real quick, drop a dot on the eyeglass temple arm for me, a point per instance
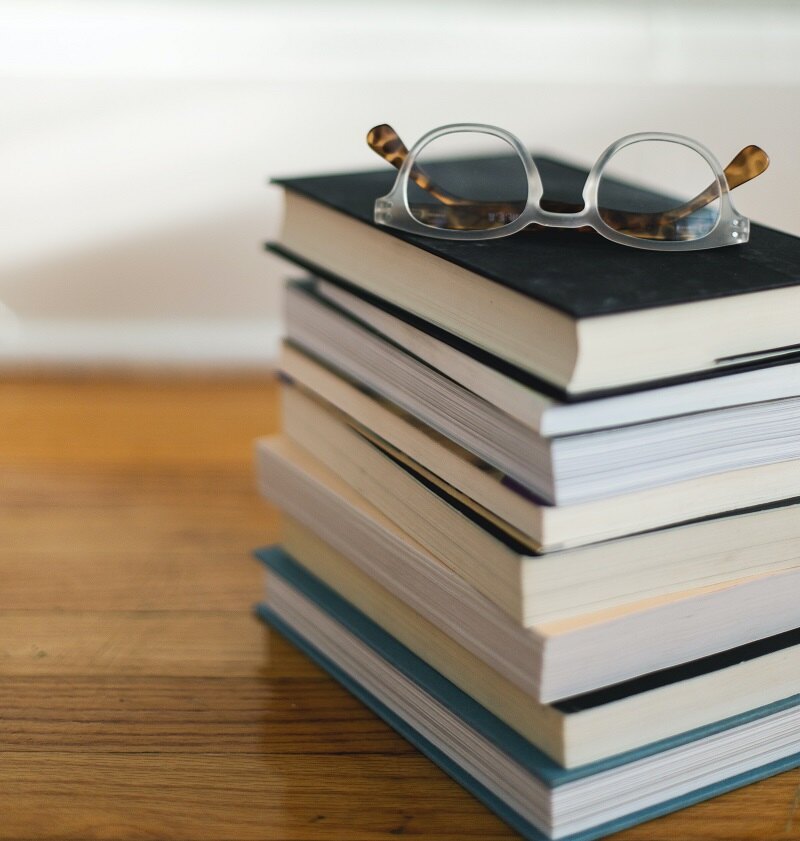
(749, 163)
(384, 141)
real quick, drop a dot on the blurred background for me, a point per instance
(138, 137)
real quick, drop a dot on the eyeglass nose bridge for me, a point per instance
(578, 219)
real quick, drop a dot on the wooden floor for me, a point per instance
(140, 699)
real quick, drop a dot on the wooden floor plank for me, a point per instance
(124, 540)
(176, 510)
(281, 714)
(127, 580)
(140, 422)
(202, 644)
(248, 798)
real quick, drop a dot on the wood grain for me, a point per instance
(140, 699)
(179, 714)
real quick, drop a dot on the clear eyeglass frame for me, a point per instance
(393, 209)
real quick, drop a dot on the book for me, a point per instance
(554, 659)
(569, 467)
(529, 584)
(515, 779)
(576, 311)
(545, 525)
(582, 729)
(518, 394)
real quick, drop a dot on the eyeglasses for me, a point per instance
(439, 194)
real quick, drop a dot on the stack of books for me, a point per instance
(542, 503)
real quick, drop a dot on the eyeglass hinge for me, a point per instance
(740, 228)
(382, 210)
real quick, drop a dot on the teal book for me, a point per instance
(523, 786)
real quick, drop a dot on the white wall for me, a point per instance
(137, 137)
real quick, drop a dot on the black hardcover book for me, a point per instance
(581, 312)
